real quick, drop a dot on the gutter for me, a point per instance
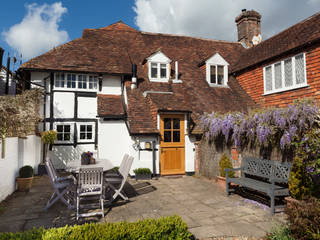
(145, 93)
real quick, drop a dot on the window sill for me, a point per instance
(162, 80)
(74, 89)
(218, 86)
(286, 90)
(176, 81)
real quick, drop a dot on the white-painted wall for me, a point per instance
(87, 107)
(19, 152)
(63, 106)
(111, 85)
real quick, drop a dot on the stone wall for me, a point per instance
(210, 155)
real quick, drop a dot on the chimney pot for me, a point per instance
(244, 10)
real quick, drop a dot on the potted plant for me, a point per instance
(223, 164)
(48, 138)
(87, 158)
(25, 178)
(142, 173)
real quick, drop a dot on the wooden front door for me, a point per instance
(172, 147)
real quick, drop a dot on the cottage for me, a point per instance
(118, 90)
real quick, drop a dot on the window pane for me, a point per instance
(69, 81)
(59, 136)
(167, 123)
(89, 128)
(288, 73)
(59, 128)
(300, 78)
(220, 75)
(90, 82)
(89, 135)
(268, 80)
(154, 70)
(82, 128)
(84, 78)
(176, 123)
(73, 78)
(213, 76)
(66, 128)
(82, 136)
(163, 70)
(82, 81)
(167, 136)
(176, 136)
(57, 80)
(277, 75)
(67, 136)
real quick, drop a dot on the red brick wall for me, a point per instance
(252, 82)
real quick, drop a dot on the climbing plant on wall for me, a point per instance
(19, 115)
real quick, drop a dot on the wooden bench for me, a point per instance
(266, 176)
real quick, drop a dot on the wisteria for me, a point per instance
(276, 126)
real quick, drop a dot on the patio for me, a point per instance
(202, 205)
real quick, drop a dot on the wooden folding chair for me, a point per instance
(63, 188)
(90, 186)
(117, 184)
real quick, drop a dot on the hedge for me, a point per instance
(163, 228)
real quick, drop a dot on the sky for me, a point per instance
(33, 27)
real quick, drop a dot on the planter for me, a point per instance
(143, 176)
(290, 201)
(221, 181)
(42, 169)
(24, 184)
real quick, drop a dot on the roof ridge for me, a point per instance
(288, 28)
(180, 35)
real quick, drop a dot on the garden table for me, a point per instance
(74, 166)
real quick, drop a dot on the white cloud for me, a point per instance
(215, 18)
(38, 31)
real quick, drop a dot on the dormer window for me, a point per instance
(159, 67)
(217, 71)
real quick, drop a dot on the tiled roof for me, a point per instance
(297, 36)
(113, 49)
(109, 105)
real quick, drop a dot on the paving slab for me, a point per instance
(206, 209)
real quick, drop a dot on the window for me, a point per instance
(159, 71)
(159, 67)
(63, 132)
(93, 82)
(217, 71)
(59, 80)
(285, 75)
(217, 74)
(76, 81)
(71, 80)
(85, 132)
(171, 130)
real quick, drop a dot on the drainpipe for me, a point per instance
(154, 159)
(134, 76)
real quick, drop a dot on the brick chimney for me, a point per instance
(248, 24)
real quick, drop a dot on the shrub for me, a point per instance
(163, 228)
(48, 137)
(280, 233)
(142, 171)
(300, 184)
(304, 219)
(26, 172)
(223, 164)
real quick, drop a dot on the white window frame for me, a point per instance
(71, 131)
(159, 58)
(93, 131)
(294, 80)
(217, 60)
(76, 88)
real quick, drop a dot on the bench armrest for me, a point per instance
(227, 170)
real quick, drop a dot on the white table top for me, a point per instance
(74, 166)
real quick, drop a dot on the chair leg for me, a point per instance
(227, 188)
(102, 206)
(78, 204)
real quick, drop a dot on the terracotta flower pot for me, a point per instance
(290, 201)
(24, 184)
(221, 182)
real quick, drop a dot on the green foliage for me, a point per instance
(304, 219)
(142, 171)
(26, 172)
(223, 164)
(300, 184)
(48, 137)
(280, 233)
(163, 228)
